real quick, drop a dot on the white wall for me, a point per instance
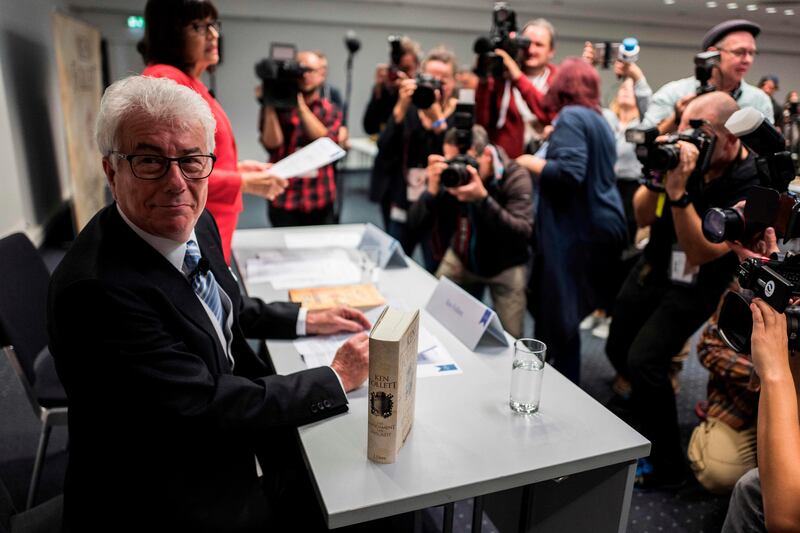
(33, 156)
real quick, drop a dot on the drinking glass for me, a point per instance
(527, 369)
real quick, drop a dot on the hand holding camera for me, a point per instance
(509, 63)
(677, 177)
(436, 164)
(769, 341)
(473, 190)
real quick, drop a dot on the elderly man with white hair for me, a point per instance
(168, 403)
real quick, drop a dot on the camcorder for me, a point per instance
(395, 56)
(704, 64)
(658, 157)
(775, 280)
(607, 52)
(767, 205)
(504, 22)
(425, 94)
(280, 76)
(456, 173)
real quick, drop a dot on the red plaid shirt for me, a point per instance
(307, 194)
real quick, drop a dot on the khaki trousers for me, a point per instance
(719, 455)
(507, 289)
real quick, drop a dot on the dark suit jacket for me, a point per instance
(162, 432)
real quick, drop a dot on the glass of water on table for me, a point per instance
(527, 369)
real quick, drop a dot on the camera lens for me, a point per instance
(454, 175)
(423, 97)
(735, 324)
(665, 157)
(721, 225)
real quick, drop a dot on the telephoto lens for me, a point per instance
(723, 224)
(735, 323)
(456, 174)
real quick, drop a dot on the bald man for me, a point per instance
(677, 283)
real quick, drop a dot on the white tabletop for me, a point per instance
(465, 440)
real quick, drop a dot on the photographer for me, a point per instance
(506, 106)
(387, 84)
(679, 279)
(490, 207)
(410, 136)
(307, 200)
(766, 498)
(791, 126)
(736, 42)
(769, 84)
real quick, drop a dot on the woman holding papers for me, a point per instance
(181, 42)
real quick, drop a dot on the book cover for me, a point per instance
(393, 346)
(361, 296)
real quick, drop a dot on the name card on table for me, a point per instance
(389, 250)
(463, 315)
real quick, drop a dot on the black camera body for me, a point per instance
(425, 94)
(504, 22)
(774, 281)
(280, 76)
(768, 205)
(658, 157)
(456, 173)
(704, 64)
(395, 56)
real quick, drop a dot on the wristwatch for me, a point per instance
(683, 201)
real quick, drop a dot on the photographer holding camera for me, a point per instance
(404, 57)
(506, 104)
(414, 131)
(307, 200)
(735, 42)
(678, 281)
(488, 200)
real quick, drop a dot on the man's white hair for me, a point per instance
(158, 100)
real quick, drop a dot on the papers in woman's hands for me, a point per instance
(304, 162)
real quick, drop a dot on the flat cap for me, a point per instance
(770, 77)
(718, 32)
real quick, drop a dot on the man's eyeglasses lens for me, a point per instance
(153, 167)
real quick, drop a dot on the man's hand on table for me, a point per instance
(351, 362)
(337, 320)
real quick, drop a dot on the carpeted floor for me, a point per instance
(691, 509)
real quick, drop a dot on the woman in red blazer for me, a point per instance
(181, 41)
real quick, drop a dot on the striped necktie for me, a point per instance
(204, 284)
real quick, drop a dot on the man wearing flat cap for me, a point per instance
(736, 42)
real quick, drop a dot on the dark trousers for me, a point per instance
(281, 218)
(652, 320)
(627, 188)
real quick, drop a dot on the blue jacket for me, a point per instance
(579, 221)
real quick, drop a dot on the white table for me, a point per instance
(568, 468)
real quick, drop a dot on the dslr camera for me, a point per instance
(769, 204)
(704, 64)
(504, 22)
(658, 157)
(456, 173)
(425, 94)
(395, 55)
(280, 76)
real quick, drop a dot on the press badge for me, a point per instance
(415, 183)
(681, 271)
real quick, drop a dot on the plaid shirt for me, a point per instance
(307, 194)
(732, 393)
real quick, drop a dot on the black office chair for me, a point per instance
(23, 336)
(44, 518)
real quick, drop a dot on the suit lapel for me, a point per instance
(156, 269)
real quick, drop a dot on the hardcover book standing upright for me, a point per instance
(393, 348)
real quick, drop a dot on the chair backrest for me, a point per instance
(24, 280)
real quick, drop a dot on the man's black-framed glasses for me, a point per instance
(153, 167)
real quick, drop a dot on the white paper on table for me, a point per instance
(293, 269)
(322, 239)
(309, 158)
(433, 359)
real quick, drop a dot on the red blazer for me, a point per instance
(225, 183)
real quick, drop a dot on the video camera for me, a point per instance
(280, 76)
(704, 64)
(658, 157)
(504, 22)
(456, 173)
(767, 205)
(607, 52)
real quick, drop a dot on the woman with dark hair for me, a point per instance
(579, 228)
(181, 41)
